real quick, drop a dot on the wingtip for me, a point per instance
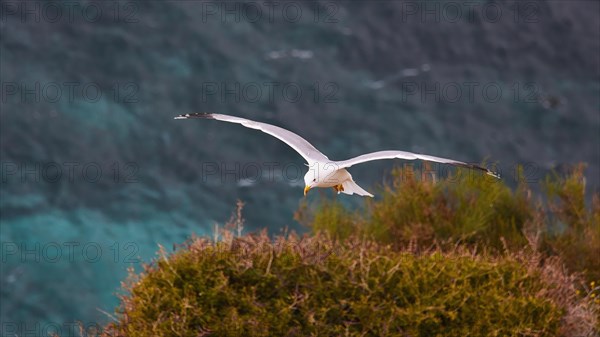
(487, 171)
(207, 115)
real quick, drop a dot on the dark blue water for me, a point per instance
(96, 173)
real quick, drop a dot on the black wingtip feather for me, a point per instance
(205, 115)
(481, 168)
(488, 172)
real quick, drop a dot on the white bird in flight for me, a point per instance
(323, 172)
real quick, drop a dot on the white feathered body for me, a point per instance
(330, 175)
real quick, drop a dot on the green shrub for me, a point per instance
(465, 207)
(477, 210)
(319, 286)
(331, 217)
(576, 234)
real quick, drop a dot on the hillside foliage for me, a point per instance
(462, 256)
(318, 286)
(475, 210)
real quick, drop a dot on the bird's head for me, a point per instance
(310, 181)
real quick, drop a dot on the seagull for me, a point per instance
(323, 172)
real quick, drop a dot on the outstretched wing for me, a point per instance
(303, 147)
(408, 156)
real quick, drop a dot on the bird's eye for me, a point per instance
(315, 179)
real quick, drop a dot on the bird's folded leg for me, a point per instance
(338, 188)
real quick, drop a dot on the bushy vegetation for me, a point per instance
(476, 210)
(317, 286)
(463, 256)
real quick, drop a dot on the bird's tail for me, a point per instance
(351, 187)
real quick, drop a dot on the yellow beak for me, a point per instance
(306, 189)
